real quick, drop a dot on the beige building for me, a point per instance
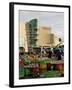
(43, 38)
(23, 37)
(54, 40)
(46, 37)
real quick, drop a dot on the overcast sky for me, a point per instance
(55, 20)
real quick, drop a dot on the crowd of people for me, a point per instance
(33, 55)
(56, 53)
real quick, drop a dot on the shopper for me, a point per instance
(58, 55)
(50, 54)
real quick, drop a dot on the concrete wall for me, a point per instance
(43, 36)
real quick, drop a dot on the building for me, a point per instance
(31, 31)
(43, 38)
(23, 37)
(46, 37)
(56, 41)
(31, 36)
(28, 34)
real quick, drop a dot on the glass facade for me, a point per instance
(31, 28)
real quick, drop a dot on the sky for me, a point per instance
(55, 20)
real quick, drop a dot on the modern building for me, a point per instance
(32, 36)
(31, 31)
